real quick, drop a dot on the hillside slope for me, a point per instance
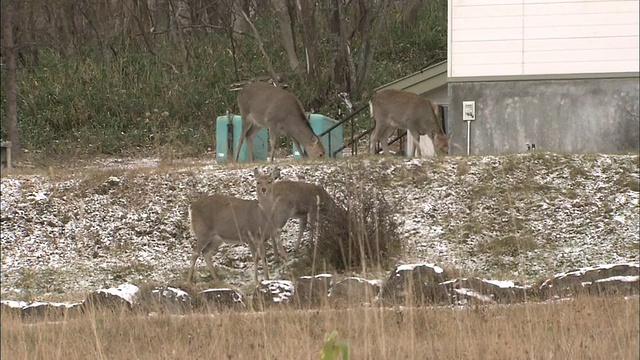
(516, 216)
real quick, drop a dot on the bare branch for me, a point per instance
(261, 46)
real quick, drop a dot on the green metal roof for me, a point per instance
(422, 81)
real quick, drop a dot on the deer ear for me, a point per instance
(256, 172)
(275, 174)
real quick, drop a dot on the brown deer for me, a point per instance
(305, 201)
(264, 105)
(218, 219)
(396, 109)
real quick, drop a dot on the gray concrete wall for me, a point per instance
(580, 116)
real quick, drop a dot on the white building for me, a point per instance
(561, 74)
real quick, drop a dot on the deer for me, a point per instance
(305, 201)
(264, 105)
(217, 219)
(396, 109)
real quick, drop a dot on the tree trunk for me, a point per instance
(240, 24)
(286, 33)
(369, 42)
(11, 90)
(344, 72)
(306, 12)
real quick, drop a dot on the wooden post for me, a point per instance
(6, 153)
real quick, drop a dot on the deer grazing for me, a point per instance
(218, 219)
(305, 201)
(393, 109)
(264, 105)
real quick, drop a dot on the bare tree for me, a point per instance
(9, 53)
(286, 33)
(306, 10)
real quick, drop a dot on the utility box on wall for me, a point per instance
(331, 141)
(228, 131)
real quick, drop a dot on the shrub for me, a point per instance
(365, 235)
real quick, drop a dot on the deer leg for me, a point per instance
(301, 227)
(272, 140)
(265, 266)
(198, 248)
(208, 254)
(277, 243)
(251, 134)
(373, 141)
(303, 152)
(415, 138)
(278, 248)
(194, 258)
(386, 132)
(246, 126)
(254, 257)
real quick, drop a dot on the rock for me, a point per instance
(223, 299)
(415, 284)
(504, 292)
(50, 310)
(273, 293)
(123, 297)
(312, 291)
(39, 310)
(12, 308)
(580, 281)
(465, 296)
(354, 291)
(616, 285)
(167, 298)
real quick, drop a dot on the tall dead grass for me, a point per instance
(583, 328)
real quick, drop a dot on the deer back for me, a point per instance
(406, 110)
(281, 112)
(233, 219)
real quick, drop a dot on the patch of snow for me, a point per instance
(215, 290)
(501, 283)
(177, 292)
(280, 290)
(410, 267)
(319, 276)
(15, 304)
(37, 196)
(474, 294)
(128, 292)
(620, 278)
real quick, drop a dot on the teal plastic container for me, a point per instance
(228, 130)
(331, 141)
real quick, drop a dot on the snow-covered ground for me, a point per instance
(505, 217)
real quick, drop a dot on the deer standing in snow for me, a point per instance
(264, 105)
(393, 109)
(218, 219)
(305, 201)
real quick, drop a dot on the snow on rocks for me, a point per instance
(125, 295)
(415, 284)
(353, 291)
(223, 298)
(312, 291)
(274, 292)
(606, 278)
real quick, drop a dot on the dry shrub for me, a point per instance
(364, 235)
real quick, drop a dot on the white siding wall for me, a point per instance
(532, 37)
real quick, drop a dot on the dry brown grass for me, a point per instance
(583, 328)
